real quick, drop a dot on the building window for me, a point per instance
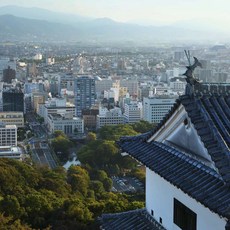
(184, 217)
(160, 220)
(152, 212)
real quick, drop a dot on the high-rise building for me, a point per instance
(13, 100)
(65, 84)
(38, 98)
(8, 75)
(4, 63)
(84, 93)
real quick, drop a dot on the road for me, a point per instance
(127, 184)
(41, 152)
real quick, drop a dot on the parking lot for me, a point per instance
(127, 184)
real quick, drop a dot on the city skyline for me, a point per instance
(145, 12)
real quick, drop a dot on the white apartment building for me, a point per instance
(161, 89)
(10, 152)
(109, 117)
(133, 112)
(12, 118)
(67, 123)
(154, 109)
(178, 86)
(8, 135)
(55, 106)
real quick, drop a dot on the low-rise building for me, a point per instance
(8, 135)
(10, 152)
(155, 108)
(178, 86)
(133, 112)
(55, 106)
(67, 123)
(12, 118)
(90, 118)
(109, 117)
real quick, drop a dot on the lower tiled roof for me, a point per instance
(132, 220)
(191, 176)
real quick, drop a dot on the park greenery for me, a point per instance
(102, 152)
(61, 144)
(40, 198)
(35, 197)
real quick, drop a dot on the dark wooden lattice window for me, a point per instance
(184, 217)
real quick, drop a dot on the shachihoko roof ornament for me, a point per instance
(190, 78)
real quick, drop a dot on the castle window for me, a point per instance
(160, 220)
(184, 217)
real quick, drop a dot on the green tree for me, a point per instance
(143, 126)
(78, 179)
(58, 133)
(114, 132)
(11, 207)
(97, 186)
(55, 199)
(61, 144)
(108, 183)
(10, 223)
(98, 153)
(77, 210)
(91, 136)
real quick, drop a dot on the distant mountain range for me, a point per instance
(35, 24)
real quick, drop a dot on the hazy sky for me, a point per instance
(149, 11)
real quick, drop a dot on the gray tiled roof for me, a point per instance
(193, 177)
(209, 111)
(132, 220)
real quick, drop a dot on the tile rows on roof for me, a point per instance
(212, 89)
(191, 176)
(135, 219)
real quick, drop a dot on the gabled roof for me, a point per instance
(193, 177)
(208, 109)
(136, 219)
